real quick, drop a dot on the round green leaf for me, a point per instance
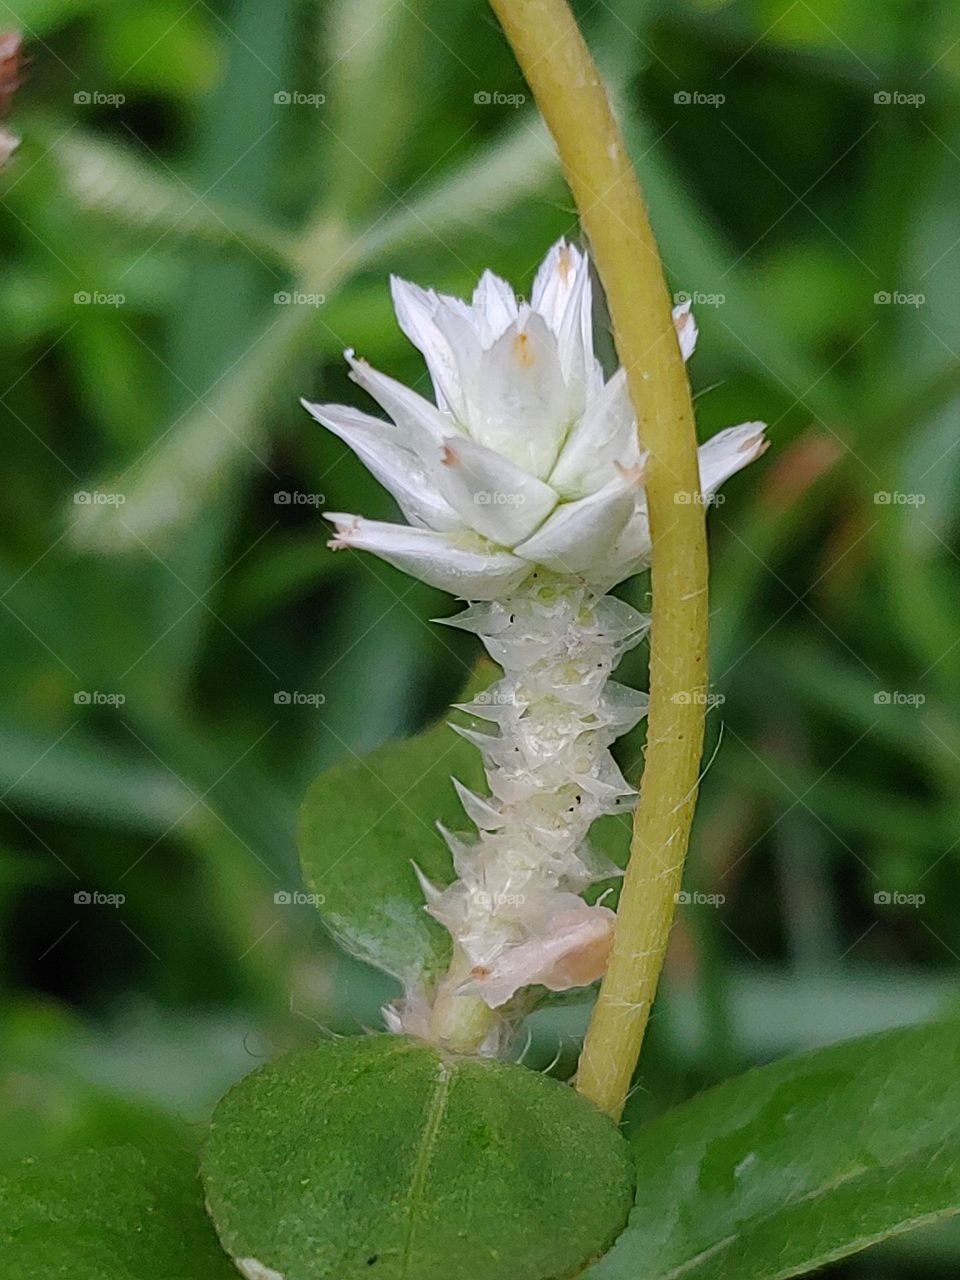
(382, 1158)
(362, 826)
(114, 1213)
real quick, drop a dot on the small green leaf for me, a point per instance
(381, 1157)
(796, 1164)
(114, 1213)
(363, 824)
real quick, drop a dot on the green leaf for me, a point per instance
(796, 1164)
(380, 1157)
(113, 1213)
(363, 824)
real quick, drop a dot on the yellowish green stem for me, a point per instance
(568, 90)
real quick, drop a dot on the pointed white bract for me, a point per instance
(523, 490)
(552, 718)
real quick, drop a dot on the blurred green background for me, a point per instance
(203, 212)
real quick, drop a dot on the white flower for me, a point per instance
(528, 457)
(523, 489)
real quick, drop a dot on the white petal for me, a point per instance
(579, 536)
(523, 403)
(605, 435)
(686, 327)
(575, 338)
(417, 310)
(728, 452)
(494, 307)
(490, 493)
(422, 426)
(562, 294)
(438, 559)
(398, 469)
(459, 325)
(555, 280)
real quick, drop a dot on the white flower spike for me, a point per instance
(523, 489)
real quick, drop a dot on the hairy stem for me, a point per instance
(566, 85)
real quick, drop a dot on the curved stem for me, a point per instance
(567, 87)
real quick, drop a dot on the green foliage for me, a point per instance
(111, 1213)
(380, 1157)
(198, 200)
(362, 826)
(798, 1163)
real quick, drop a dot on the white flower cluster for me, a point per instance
(523, 489)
